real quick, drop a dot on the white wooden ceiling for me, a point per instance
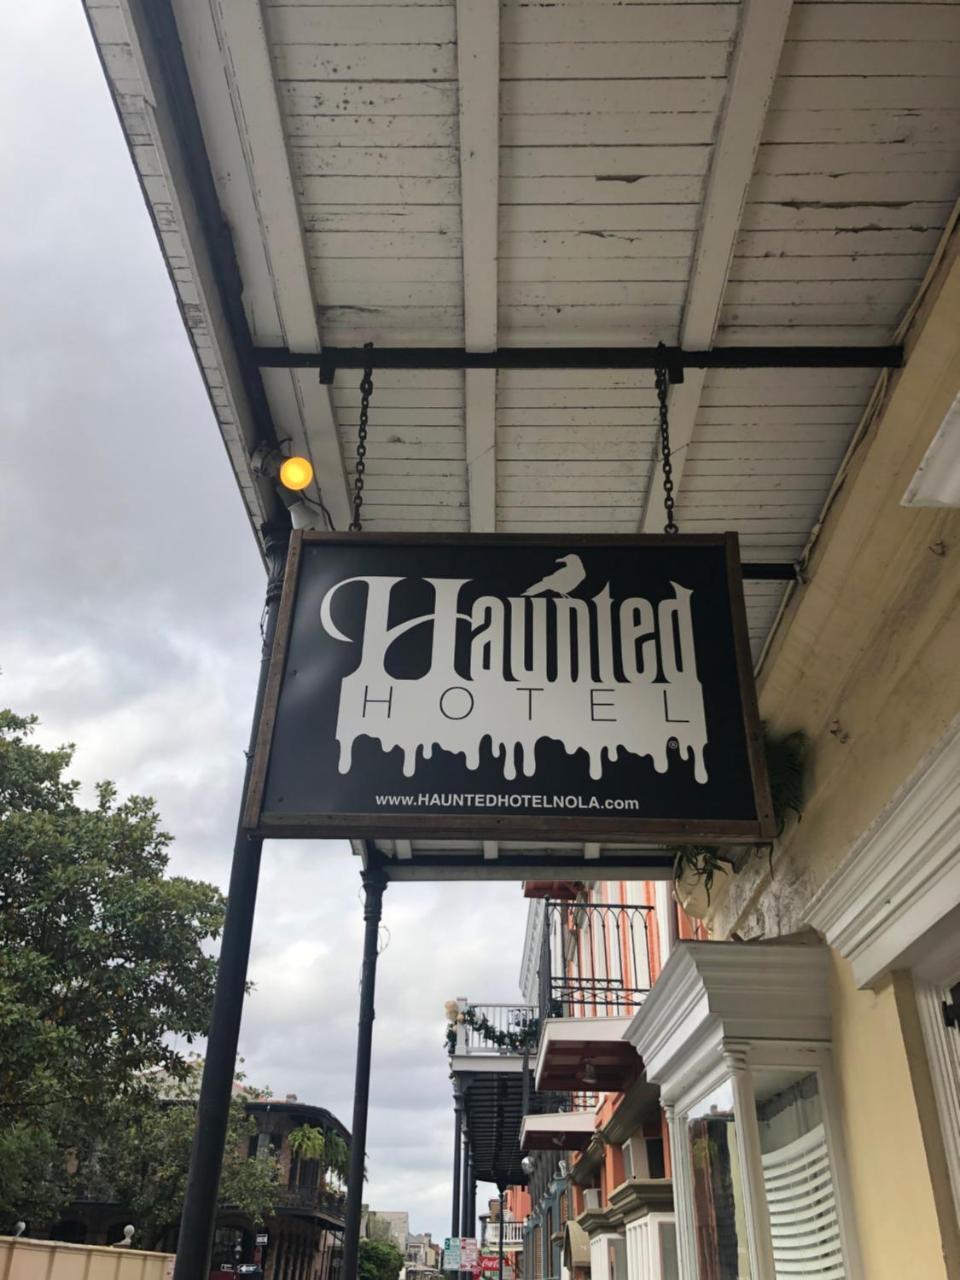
(561, 174)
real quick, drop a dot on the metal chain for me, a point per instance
(366, 391)
(665, 463)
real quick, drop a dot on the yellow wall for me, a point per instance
(867, 663)
(893, 1200)
(26, 1259)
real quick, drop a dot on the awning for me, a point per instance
(576, 1246)
(557, 1131)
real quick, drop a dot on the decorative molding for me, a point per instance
(902, 876)
(716, 995)
(638, 1197)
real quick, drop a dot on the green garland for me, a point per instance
(525, 1039)
(786, 767)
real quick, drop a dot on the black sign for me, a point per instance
(507, 687)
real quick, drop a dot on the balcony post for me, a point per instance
(374, 882)
(457, 1139)
(501, 1189)
(466, 1227)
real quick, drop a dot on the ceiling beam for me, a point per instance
(260, 203)
(478, 65)
(763, 28)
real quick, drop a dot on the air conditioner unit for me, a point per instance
(591, 1198)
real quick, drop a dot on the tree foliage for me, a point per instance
(379, 1260)
(102, 963)
(142, 1157)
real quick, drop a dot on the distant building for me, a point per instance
(304, 1234)
(382, 1224)
(422, 1254)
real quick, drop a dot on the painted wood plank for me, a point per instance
(866, 57)
(717, 394)
(375, 162)
(615, 24)
(384, 418)
(320, 98)
(609, 292)
(344, 190)
(347, 399)
(896, 293)
(921, 128)
(645, 244)
(372, 293)
(814, 422)
(657, 189)
(845, 266)
(839, 159)
(804, 244)
(791, 315)
(371, 131)
(643, 60)
(563, 422)
(410, 379)
(751, 466)
(638, 128)
(442, 220)
(859, 93)
(839, 335)
(815, 216)
(382, 244)
(414, 485)
(545, 97)
(397, 270)
(455, 499)
(570, 268)
(518, 218)
(365, 62)
(359, 24)
(387, 449)
(560, 502)
(579, 379)
(628, 163)
(856, 22)
(858, 188)
(577, 400)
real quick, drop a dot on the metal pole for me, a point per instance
(465, 1229)
(457, 1139)
(374, 882)
(195, 1240)
(500, 1188)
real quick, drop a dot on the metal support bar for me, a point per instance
(465, 1224)
(374, 882)
(457, 1142)
(676, 360)
(216, 1089)
(501, 1189)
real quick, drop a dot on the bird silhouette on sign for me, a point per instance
(563, 581)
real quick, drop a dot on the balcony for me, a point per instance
(494, 1031)
(512, 1237)
(314, 1201)
(594, 973)
(569, 1127)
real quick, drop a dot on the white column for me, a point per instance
(682, 1192)
(751, 1164)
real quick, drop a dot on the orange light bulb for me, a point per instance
(295, 473)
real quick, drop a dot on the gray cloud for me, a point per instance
(130, 596)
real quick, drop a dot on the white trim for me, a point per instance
(902, 877)
(943, 1055)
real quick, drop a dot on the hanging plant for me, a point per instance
(786, 757)
(307, 1142)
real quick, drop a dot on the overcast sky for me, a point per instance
(130, 598)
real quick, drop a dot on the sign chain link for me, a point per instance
(366, 391)
(666, 466)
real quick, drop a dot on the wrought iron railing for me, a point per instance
(512, 1235)
(594, 959)
(312, 1200)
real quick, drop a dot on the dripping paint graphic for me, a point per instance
(621, 676)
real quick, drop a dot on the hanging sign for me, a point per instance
(507, 687)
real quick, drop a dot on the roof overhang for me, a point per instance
(569, 1047)
(557, 1131)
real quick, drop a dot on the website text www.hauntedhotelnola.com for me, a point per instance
(501, 800)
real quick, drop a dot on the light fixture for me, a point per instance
(293, 471)
(526, 1164)
(937, 481)
(589, 1076)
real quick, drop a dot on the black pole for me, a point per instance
(457, 1139)
(374, 882)
(195, 1240)
(500, 1188)
(465, 1225)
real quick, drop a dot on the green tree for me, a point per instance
(103, 960)
(142, 1158)
(379, 1260)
